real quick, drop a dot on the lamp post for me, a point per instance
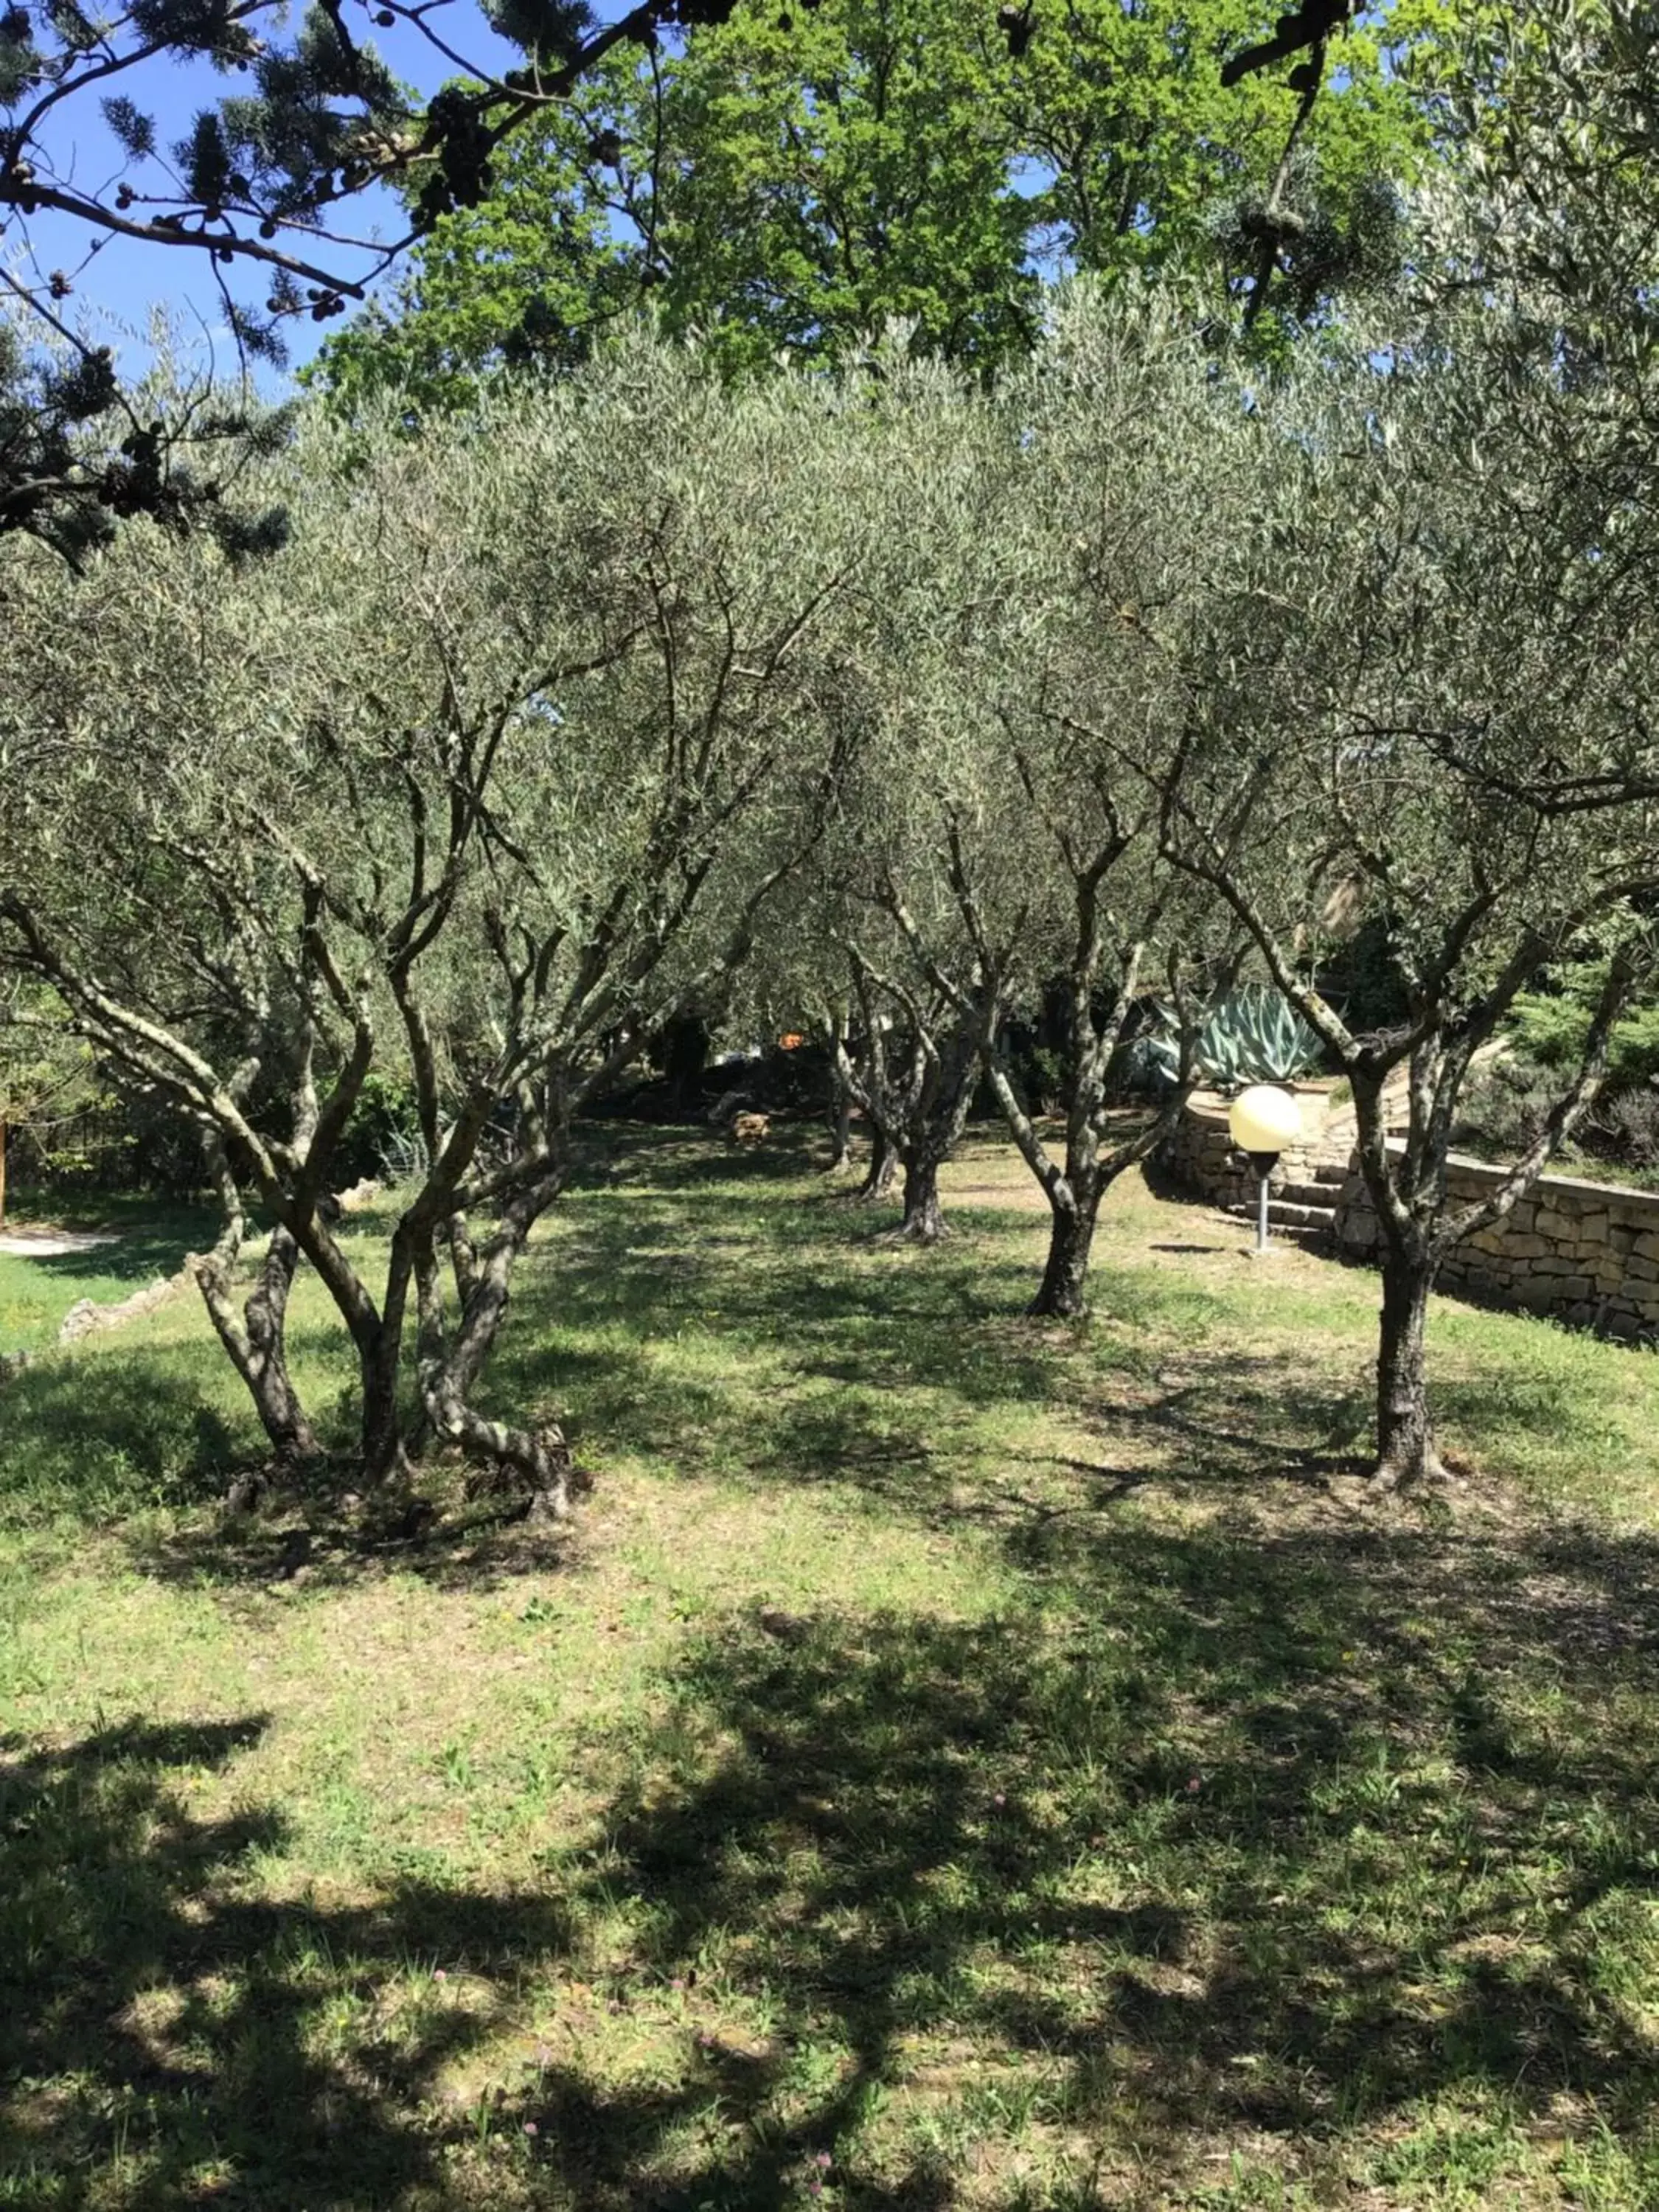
(1262, 1122)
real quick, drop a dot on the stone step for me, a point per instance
(1305, 1220)
(1305, 1193)
(1283, 1213)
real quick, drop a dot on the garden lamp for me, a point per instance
(1262, 1121)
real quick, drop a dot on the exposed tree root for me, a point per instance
(916, 1233)
(1422, 1470)
(872, 1192)
(539, 1458)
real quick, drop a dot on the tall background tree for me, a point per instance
(787, 182)
(254, 188)
(904, 120)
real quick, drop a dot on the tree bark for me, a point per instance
(539, 1456)
(841, 1091)
(278, 1402)
(256, 1344)
(878, 1176)
(1405, 1453)
(924, 1219)
(256, 1340)
(1062, 1293)
(841, 1134)
(383, 1453)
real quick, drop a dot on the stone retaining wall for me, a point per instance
(1200, 1154)
(1586, 1252)
(85, 1319)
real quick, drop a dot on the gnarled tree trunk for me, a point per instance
(924, 1219)
(841, 1103)
(537, 1456)
(882, 1167)
(1405, 1453)
(255, 1340)
(384, 1454)
(1062, 1293)
(841, 1134)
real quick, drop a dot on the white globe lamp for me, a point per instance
(1262, 1121)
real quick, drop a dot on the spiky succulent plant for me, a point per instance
(1251, 1035)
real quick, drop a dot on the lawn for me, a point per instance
(952, 1761)
(35, 1293)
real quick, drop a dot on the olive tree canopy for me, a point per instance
(481, 778)
(1437, 713)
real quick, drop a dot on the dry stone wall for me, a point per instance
(1587, 1253)
(1200, 1154)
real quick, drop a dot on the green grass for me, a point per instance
(1007, 1762)
(35, 1294)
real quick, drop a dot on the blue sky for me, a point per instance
(115, 293)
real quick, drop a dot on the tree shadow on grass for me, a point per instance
(1278, 1840)
(752, 1337)
(1225, 1840)
(104, 1434)
(169, 2034)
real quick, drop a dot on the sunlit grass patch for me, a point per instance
(950, 1760)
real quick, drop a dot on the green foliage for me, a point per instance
(383, 1125)
(787, 184)
(46, 1069)
(1252, 1034)
(204, 159)
(1503, 1106)
(548, 30)
(1152, 161)
(1506, 1101)
(531, 275)
(1545, 107)
(821, 181)
(1552, 1028)
(134, 129)
(1362, 977)
(78, 453)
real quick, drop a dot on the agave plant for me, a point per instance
(1250, 1034)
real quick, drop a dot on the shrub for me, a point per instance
(383, 1132)
(1503, 1106)
(1550, 1027)
(1251, 1035)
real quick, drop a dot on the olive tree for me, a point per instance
(1043, 550)
(928, 995)
(1139, 482)
(1432, 708)
(481, 780)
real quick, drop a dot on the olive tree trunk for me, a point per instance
(1062, 1295)
(1405, 1453)
(924, 1219)
(255, 1340)
(879, 1175)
